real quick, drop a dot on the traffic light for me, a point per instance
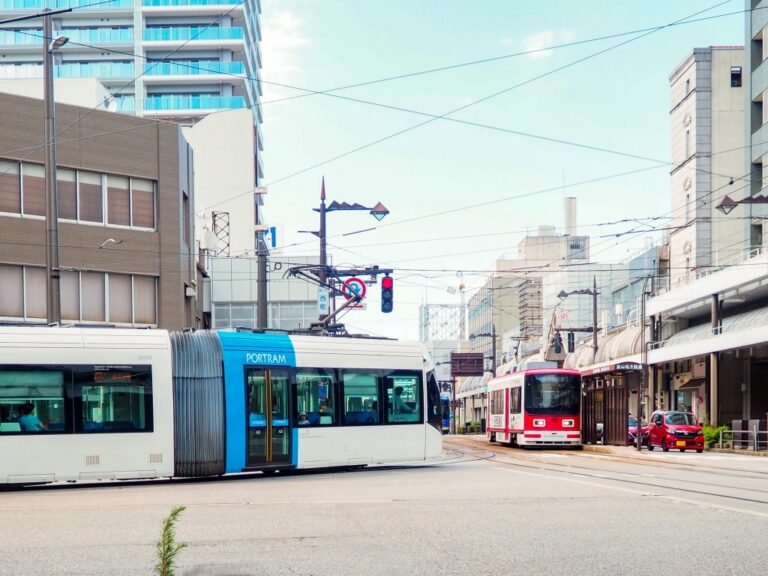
(387, 302)
(557, 343)
(571, 342)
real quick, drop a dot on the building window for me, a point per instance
(82, 195)
(143, 203)
(12, 281)
(35, 284)
(10, 189)
(687, 85)
(118, 201)
(92, 302)
(33, 189)
(735, 76)
(66, 190)
(687, 144)
(118, 298)
(70, 296)
(91, 201)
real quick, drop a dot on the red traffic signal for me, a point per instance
(387, 302)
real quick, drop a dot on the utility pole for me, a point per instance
(261, 288)
(594, 318)
(643, 367)
(53, 292)
(322, 275)
(493, 349)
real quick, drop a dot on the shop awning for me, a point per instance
(739, 331)
(473, 385)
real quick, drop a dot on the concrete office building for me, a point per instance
(510, 302)
(226, 183)
(708, 161)
(232, 291)
(755, 216)
(125, 204)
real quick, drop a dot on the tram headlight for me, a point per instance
(539, 423)
(568, 423)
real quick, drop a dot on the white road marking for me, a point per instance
(571, 478)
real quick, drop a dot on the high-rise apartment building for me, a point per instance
(176, 59)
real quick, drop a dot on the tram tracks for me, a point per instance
(693, 488)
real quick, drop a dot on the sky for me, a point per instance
(517, 75)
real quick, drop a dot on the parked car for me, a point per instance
(674, 429)
(632, 431)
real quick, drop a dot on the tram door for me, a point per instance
(268, 424)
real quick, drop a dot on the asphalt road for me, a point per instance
(481, 510)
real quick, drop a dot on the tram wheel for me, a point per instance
(493, 437)
(699, 450)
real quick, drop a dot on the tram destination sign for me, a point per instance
(466, 363)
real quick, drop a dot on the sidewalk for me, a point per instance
(616, 451)
(632, 452)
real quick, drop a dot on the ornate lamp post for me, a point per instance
(727, 204)
(379, 211)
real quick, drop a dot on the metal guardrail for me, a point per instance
(753, 436)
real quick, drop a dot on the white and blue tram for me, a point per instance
(79, 404)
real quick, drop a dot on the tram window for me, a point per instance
(32, 400)
(361, 399)
(315, 396)
(514, 400)
(113, 399)
(403, 398)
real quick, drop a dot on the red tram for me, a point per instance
(535, 407)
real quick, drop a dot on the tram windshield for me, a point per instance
(552, 394)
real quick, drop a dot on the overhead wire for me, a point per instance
(435, 117)
(651, 30)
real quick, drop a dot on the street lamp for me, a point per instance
(379, 211)
(592, 292)
(727, 204)
(53, 292)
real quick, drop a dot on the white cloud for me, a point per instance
(283, 40)
(540, 40)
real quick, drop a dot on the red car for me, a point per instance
(632, 431)
(672, 429)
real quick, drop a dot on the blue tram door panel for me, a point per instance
(242, 350)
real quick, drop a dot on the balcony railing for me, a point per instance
(82, 4)
(21, 71)
(193, 68)
(99, 35)
(172, 102)
(94, 70)
(189, 2)
(192, 33)
(125, 103)
(26, 37)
